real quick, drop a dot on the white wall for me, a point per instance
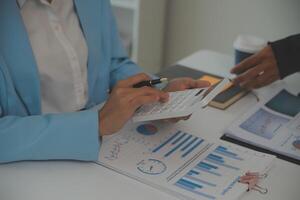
(151, 34)
(214, 24)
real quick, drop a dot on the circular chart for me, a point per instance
(296, 144)
(151, 167)
(147, 129)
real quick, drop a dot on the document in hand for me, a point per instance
(273, 124)
(180, 163)
(180, 104)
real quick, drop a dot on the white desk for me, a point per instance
(77, 181)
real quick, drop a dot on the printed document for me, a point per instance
(273, 124)
(179, 162)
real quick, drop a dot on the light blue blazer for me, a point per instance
(27, 134)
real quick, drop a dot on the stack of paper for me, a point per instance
(180, 163)
(273, 124)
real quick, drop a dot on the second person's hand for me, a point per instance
(258, 70)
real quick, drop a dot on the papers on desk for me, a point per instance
(180, 104)
(180, 163)
(273, 125)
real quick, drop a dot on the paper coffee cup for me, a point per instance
(247, 45)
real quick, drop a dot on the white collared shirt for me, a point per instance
(60, 51)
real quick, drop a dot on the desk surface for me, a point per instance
(76, 180)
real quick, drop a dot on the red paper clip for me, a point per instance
(252, 179)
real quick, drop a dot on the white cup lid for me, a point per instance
(249, 43)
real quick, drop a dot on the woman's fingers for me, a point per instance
(146, 91)
(201, 84)
(143, 100)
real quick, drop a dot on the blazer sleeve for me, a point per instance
(70, 136)
(121, 66)
(287, 53)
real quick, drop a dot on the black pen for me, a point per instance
(150, 83)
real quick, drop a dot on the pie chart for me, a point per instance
(296, 144)
(147, 129)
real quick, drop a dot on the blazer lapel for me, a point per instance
(89, 11)
(18, 55)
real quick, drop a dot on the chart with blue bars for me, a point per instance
(208, 178)
(179, 144)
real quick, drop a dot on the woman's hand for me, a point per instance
(181, 84)
(124, 101)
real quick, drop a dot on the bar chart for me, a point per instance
(213, 174)
(192, 186)
(180, 163)
(225, 152)
(179, 144)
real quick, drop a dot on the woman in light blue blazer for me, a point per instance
(28, 134)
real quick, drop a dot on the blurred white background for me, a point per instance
(157, 33)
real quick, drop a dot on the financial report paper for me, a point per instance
(273, 124)
(181, 163)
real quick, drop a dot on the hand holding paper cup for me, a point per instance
(256, 65)
(246, 46)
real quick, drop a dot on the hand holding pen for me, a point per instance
(150, 83)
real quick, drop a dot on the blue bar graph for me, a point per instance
(209, 174)
(218, 160)
(201, 181)
(192, 148)
(189, 144)
(166, 142)
(189, 184)
(207, 171)
(178, 142)
(189, 187)
(193, 172)
(188, 138)
(179, 138)
(178, 146)
(224, 151)
(207, 166)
